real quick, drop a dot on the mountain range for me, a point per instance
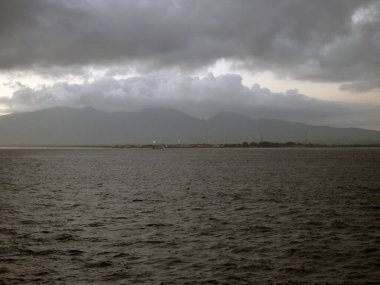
(87, 126)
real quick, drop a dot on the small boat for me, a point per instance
(157, 146)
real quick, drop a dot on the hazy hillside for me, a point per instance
(70, 126)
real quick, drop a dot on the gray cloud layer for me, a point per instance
(329, 41)
(202, 97)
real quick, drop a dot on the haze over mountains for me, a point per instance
(87, 126)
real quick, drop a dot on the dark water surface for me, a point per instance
(190, 216)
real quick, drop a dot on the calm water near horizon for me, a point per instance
(190, 216)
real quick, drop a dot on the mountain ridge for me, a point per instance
(88, 126)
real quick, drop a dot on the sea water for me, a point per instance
(190, 216)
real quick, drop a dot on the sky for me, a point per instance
(316, 62)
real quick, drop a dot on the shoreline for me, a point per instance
(244, 145)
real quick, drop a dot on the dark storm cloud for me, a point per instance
(202, 97)
(334, 41)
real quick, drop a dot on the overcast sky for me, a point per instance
(300, 60)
